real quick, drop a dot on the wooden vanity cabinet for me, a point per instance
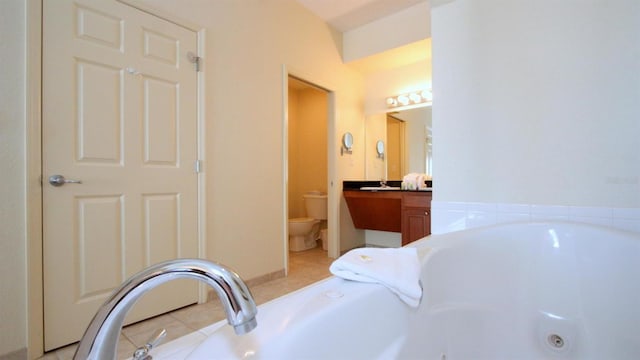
(416, 216)
(379, 210)
(406, 212)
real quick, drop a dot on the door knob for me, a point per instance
(59, 180)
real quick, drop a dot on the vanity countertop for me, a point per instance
(372, 185)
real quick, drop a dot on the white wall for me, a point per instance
(404, 27)
(382, 84)
(537, 102)
(12, 162)
(247, 44)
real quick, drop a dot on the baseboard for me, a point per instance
(211, 294)
(16, 355)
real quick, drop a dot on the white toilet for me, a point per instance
(303, 232)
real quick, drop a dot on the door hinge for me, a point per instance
(194, 59)
(197, 166)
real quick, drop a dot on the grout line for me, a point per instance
(126, 338)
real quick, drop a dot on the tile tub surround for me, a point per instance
(454, 216)
(190, 325)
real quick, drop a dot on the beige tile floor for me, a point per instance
(305, 267)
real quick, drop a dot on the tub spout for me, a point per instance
(100, 340)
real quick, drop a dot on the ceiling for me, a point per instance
(346, 15)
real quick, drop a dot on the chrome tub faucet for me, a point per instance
(100, 340)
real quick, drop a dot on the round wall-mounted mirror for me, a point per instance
(347, 140)
(380, 148)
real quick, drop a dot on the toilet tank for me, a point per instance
(315, 203)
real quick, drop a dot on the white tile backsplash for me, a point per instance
(447, 217)
(600, 212)
(548, 217)
(626, 213)
(514, 208)
(482, 207)
(502, 218)
(600, 221)
(454, 216)
(550, 211)
(480, 218)
(452, 205)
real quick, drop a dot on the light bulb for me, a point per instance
(403, 99)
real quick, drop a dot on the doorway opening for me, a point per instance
(307, 188)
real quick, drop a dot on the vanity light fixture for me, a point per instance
(412, 98)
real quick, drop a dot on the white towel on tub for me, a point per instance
(396, 268)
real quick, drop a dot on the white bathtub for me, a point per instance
(520, 291)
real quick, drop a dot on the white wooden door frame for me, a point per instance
(334, 188)
(33, 146)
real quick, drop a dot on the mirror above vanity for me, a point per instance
(398, 143)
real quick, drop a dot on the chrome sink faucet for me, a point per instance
(100, 340)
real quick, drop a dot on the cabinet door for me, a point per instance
(416, 224)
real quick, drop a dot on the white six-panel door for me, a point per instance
(119, 115)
